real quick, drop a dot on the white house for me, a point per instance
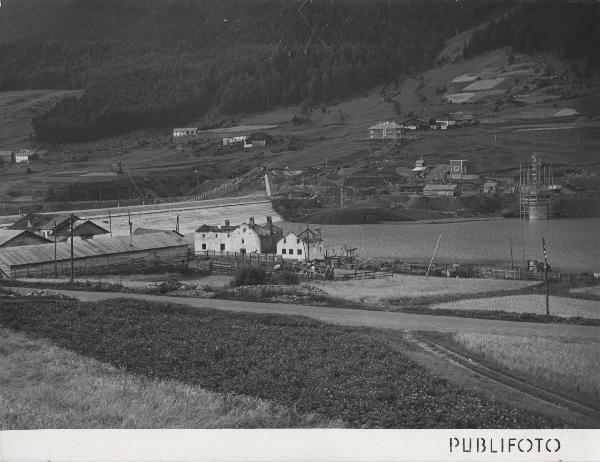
(24, 156)
(245, 238)
(232, 140)
(385, 130)
(177, 132)
(306, 245)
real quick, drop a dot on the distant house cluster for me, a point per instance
(21, 156)
(254, 140)
(180, 132)
(388, 130)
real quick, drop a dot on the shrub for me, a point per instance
(249, 276)
(285, 277)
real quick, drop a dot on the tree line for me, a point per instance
(569, 29)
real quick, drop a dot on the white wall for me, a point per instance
(291, 243)
(242, 237)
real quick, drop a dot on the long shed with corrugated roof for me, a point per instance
(104, 255)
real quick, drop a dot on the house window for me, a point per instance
(297, 241)
(216, 235)
(299, 251)
(244, 229)
(227, 234)
(284, 241)
(203, 246)
(222, 247)
(242, 241)
(291, 251)
(203, 235)
(282, 251)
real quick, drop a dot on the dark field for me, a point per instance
(311, 366)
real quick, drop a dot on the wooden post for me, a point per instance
(546, 277)
(72, 263)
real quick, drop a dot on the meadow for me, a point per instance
(312, 367)
(381, 290)
(45, 386)
(567, 366)
(559, 306)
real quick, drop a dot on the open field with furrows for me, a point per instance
(559, 306)
(560, 364)
(398, 286)
(558, 125)
(45, 386)
(340, 373)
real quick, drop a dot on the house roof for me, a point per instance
(64, 228)
(141, 231)
(440, 187)
(261, 230)
(216, 229)
(7, 235)
(6, 154)
(40, 221)
(385, 125)
(38, 253)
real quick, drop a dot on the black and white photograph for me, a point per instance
(302, 215)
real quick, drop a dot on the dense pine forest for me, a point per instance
(162, 63)
(569, 29)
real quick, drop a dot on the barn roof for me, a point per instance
(38, 253)
(7, 235)
(439, 187)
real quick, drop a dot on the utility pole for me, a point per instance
(109, 223)
(54, 233)
(433, 256)
(512, 262)
(130, 228)
(546, 277)
(71, 218)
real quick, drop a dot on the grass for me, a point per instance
(567, 366)
(535, 304)
(405, 286)
(310, 366)
(45, 386)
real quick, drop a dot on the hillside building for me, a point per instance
(385, 131)
(24, 156)
(244, 239)
(235, 140)
(179, 132)
(440, 190)
(7, 157)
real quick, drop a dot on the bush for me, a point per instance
(249, 276)
(285, 278)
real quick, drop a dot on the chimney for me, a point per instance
(251, 221)
(227, 223)
(270, 224)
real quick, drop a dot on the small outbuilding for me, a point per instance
(306, 245)
(440, 190)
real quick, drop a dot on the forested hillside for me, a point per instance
(160, 63)
(569, 29)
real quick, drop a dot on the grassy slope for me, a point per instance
(571, 367)
(45, 386)
(314, 367)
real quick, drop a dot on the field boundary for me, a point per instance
(442, 349)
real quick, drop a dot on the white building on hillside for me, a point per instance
(177, 132)
(306, 245)
(245, 238)
(233, 140)
(24, 156)
(385, 131)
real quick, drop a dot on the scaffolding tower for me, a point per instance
(537, 195)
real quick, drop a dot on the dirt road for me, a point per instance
(364, 318)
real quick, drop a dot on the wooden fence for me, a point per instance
(365, 275)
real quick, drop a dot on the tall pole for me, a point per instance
(523, 240)
(433, 256)
(110, 223)
(54, 233)
(546, 277)
(72, 263)
(512, 262)
(130, 227)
